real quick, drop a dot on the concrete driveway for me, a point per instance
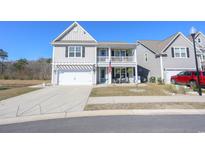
(48, 100)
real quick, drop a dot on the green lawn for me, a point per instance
(11, 92)
(11, 88)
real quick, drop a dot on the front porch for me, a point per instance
(117, 75)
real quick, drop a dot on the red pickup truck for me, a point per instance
(188, 78)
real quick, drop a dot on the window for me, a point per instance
(203, 58)
(71, 52)
(199, 40)
(146, 57)
(203, 73)
(78, 51)
(75, 51)
(187, 73)
(180, 53)
(181, 73)
(102, 52)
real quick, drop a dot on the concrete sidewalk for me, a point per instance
(145, 99)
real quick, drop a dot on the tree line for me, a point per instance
(24, 69)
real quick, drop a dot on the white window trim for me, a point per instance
(180, 52)
(81, 52)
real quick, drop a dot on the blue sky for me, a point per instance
(31, 40)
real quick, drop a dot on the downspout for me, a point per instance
(161, 67)
(52, 74)
(109, 73)
(136, 70)
(95, 68)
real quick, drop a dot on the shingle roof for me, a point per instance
(151, 44)
(158, 46)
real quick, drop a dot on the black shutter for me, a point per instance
(83, 52)
(172, 52)
(187, 51)
(66, 51)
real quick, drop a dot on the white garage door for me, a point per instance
(168, 75)
(75, 78)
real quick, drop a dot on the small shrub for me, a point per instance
(6, 77)
(13, 77)
(30, 78)
(152, 79)
(195, 88)
(160, 81)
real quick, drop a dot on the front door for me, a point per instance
(123, 75)
(102, 75)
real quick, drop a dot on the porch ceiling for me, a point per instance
(116, 45)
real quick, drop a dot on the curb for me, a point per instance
(101, 113)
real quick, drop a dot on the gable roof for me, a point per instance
(202, 48)
(158, 47)
(74, 24)
(197, 34)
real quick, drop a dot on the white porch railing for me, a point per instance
(117, 59)
(103, 59)
(122, 58)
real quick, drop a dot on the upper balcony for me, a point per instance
(105, 55)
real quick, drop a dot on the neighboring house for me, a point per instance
(165, 58)
(78, 59)
(200, 43)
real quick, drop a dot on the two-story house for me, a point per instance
(200, 43)
(78, 59)
(164, 58)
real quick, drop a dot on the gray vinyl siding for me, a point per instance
(77, 34)
(152, 63)
(170, 62)
(59, 55)
(202, 38)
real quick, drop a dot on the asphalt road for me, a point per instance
(113, 124)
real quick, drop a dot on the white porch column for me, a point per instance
(109, 72)
(136, 70)
(136, 74)
(161, 67)
(95, 68)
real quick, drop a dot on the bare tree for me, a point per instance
(3, 56)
